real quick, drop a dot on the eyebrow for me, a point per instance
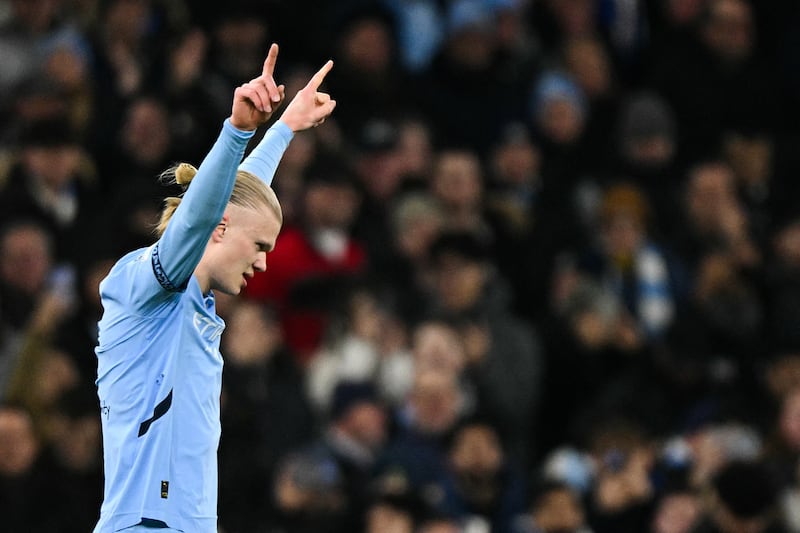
(264, 247)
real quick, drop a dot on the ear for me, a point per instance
(219, 231)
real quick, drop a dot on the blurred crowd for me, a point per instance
(539, 272)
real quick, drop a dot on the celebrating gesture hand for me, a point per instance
(255, 101)
(309, 108)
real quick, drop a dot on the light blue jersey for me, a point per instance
(159, 368)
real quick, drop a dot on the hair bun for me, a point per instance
(184, 173)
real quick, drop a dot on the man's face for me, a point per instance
(242, 249)
(25, 260)
(18, 444)
(459, 282)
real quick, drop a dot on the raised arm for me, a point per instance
(181, 246)
(309, 108)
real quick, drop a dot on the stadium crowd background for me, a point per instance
(540, 272)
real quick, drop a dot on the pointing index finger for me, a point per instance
(269, 63)
(317, 79)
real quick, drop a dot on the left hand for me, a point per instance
(310, 107)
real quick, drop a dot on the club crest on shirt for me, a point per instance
(206, 327)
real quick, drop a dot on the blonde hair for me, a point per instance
(249, 191)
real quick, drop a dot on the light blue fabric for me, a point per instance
(263, 160)
(159, 370)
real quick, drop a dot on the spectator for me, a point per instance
(368, 345)
(307, 494)
(504, 359)
(313, 257)
(73, 455)
(645, 277)
(369, 80)
(677, 511)
(645, 151)
(485, 485)
(416, 220)
(557, 114)
(713, 218)
(418, 448)
(353, 437)
(554, 506)
(623, 494)
(781, 286)
(468, 72)
(25, 484)
(264, 410)
(25, 269)
(53, 183)
(721, 83)
(744, 499)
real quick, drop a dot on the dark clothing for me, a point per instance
(18, 201)
(265, 414)
(27, 501)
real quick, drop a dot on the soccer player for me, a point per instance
(159, 367)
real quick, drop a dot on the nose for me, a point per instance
(260, 264)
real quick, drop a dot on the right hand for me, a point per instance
(254, 102)
(309, 108)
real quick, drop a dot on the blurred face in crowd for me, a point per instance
(252, 335)
(240, 43)
(459, 281)
(19, 446)
(145, 133)
(517, 162)
(125, 21)
(729, 29)
(26, 258)
(366, 423)
(683, 12)
(651, 151)
(37, 15)
(55, 167)
(417, 220)
(476, 458)
(711, 190)
(588, 62)
(56, 374)
(367, 46)
(477, 451)
(330, 205)
(383, 518)
(575, 17)
(623, 234)
(561, 121)
(415, 147)
(558, 510)
(435, 399)
(457, 180)
(783, 374)
(437, 347)
(472, 46)
(677, 513)
(750, 158)
(789, 423)
(787, 244)
(77, 441)
(381, 171)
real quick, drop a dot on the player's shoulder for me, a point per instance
(132, 259)
(127, 270)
